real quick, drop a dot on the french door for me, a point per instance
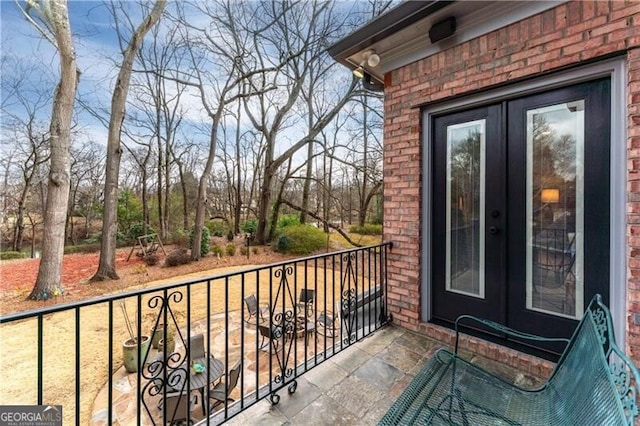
(521, 209)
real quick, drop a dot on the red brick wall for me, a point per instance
(633, 201)
(571, 34)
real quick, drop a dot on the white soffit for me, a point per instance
(473, 19)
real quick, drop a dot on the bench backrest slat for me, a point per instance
(592, 382)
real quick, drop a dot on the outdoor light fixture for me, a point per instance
(371, 59)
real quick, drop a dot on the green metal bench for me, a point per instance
(594, 383)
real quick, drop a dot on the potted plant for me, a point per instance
(131, 347)
(158, 337)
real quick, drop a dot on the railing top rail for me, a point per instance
(115, 297)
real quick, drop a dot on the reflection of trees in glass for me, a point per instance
(554, 165)
(554, 156)
(465, 199)
(465, 176)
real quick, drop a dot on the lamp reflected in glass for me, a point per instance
(550, 195)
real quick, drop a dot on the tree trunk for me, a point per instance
(50, 270)
(275, 211)
(238, 206)
(18, 230)
(185, 205)
(362, 211)
(202, 188)
(160, 166)
(263, 209)
(107, 262)
(307, 182)
(167, 190)
(145, 202)
(306, 191)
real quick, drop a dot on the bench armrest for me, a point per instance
(503, 329)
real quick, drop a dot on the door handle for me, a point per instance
(494, 230)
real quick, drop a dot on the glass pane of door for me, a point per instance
(555, 209)
(465, 208)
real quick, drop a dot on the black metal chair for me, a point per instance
(270, 337)
(180, 407)
(327, 324)
(306, 301)
(554, 257)
(554, 280)
(196, 347)
(255, 313)
(221, 392)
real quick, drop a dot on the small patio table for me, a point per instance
(201, 380)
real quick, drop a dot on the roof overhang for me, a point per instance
(401, 36)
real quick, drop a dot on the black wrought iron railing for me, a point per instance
(201, 350)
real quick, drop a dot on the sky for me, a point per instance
(30, 60)
(26, 56)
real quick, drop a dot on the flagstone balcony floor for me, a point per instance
(357, 386)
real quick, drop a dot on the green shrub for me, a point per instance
(255, 250)
(250, 226)
(217, 250)
(121, 239)
(93, 239)
(231, 249)
(217, 228)
(8, 255)
(367, 229)
(129, 211)
(136, 230)
(288, 220)
(82, 248)
(244, 250)
(205, 241)
(177, 257)
(300, 239)
(230, 235)
(283, 244)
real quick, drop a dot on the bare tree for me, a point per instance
(31, 152)
(219, 51)
(86, 176)
(368, 173)
(26, 149)
(300, 35)
(184, 159)
(52, 20)
(159, 100)
(107, 263)
(141, 154)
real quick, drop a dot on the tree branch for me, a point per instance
(315, 216)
